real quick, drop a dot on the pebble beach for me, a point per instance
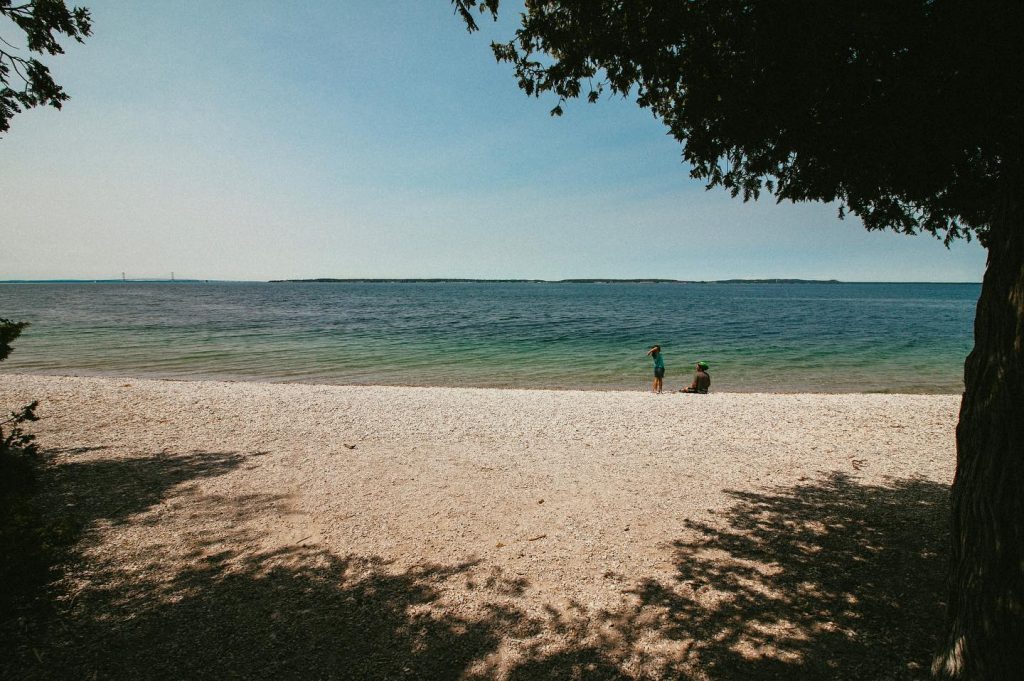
(306, 531)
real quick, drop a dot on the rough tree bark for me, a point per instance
(986, 586)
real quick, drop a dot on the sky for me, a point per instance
(251, 140)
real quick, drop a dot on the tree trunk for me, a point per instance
(985, 635)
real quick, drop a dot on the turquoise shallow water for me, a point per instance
(757, 337)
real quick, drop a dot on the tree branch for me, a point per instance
(14, 60)
(13, 47)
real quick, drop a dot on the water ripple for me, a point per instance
(781, 337)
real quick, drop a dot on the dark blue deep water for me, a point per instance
(756, 337)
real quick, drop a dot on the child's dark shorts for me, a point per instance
(659, 372)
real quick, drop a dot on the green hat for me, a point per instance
(702, 364)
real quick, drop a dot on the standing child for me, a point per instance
(659, 367)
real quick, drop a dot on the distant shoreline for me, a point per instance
(473, 281)
(552, 281)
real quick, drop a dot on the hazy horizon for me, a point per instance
(566, 280)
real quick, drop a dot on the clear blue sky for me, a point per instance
(255, 140)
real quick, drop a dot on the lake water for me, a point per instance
(756, 337)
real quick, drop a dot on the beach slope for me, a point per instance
(244, 529)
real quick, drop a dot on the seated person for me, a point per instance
(701, 380)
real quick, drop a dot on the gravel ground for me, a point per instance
(301, 531)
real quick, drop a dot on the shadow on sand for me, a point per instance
(826, 580)
(830, 579)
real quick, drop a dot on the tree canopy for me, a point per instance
(904, 111)
(908, 113)
(25, 82)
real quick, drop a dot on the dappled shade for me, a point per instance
(829, 579)
(834, 579)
